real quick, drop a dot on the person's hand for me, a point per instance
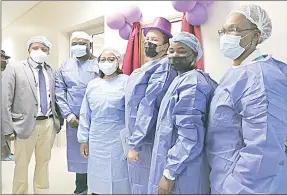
(10, 137)
(133, 155)
(74, 122)
(84, 149)
(165, 185)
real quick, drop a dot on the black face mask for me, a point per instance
(181, 63)
(150, 49)
(3, 64)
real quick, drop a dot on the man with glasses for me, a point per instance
(247, 126)
(71, 83)
(29, 114)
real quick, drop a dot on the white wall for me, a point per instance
(55, 19)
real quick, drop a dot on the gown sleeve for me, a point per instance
(189, 117)
(85, 119)
(61, 94)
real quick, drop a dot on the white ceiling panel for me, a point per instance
(11, 10)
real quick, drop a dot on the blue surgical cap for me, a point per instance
(190, 41)
(39, 39)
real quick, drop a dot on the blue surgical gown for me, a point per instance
(247, 130)
(145, 90)
(180, 132)
(101, 120)
(71, 83)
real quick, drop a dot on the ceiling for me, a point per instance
(11, 10)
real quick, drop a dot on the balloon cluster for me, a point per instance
(123, 20)
(196, 11)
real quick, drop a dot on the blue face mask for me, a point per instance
(79, 50)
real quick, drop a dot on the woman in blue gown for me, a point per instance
(102, 117)
(178, 164)
(247, 124)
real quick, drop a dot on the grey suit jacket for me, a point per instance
(19, 100)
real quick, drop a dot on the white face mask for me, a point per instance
(38, 56)
(108, 68)
(79, 50)
(230, 46)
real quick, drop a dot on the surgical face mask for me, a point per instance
(230, 46)
(79, 50)
(38, 56)
(108, 68)
(181, 63)
(150, 49)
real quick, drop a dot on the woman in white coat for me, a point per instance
(102, 117)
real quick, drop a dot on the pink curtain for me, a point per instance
(131, 59)
(186, 27)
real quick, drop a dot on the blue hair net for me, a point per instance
(189, 40)
(39, 39)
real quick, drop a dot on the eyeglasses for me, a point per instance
(109, 59)
(79, 43)
(44, 49)
(232, 30)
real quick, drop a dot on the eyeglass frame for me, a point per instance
(235, 30)
(79, 43)
(109, 59)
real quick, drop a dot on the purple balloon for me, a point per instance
(197, 16)
(183, 6)
(209, 4)
(125, 31)
(115, 20)
(132, 13)
(140, 20)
